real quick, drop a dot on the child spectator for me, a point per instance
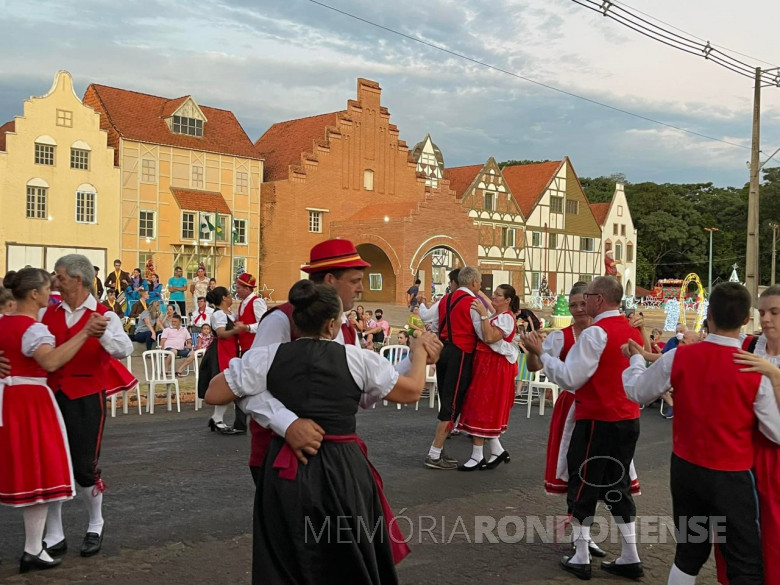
(203, 341)
(369, 324)
(415, 326)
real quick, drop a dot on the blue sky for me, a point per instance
(274, 60)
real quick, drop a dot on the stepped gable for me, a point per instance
(529, 182)
(285, 144)
(7, 127)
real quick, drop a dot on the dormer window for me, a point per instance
(189, 126)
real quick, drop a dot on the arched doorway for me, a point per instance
(379, 283)
(434, 267)
(629, 288)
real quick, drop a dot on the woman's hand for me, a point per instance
(754, 363)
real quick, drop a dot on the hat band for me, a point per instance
(334, 261)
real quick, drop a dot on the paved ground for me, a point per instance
(178, 505)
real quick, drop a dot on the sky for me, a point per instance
(275, 60)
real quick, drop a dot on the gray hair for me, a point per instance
(78, 265)
(608, 287)
(468, 274)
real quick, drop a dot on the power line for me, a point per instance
(692, 35)
(522, 77)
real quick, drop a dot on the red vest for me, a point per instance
(714, 420)
(457, 327)
(603, 396)
(568, 342)
(14, 327)
(247, 317)
(88, 371)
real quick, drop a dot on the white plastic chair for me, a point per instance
(124, 393)
(157, 371)
(199, 353)
(540, 389)
(432, 385)
(395, 354)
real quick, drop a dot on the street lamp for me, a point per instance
(710, 229)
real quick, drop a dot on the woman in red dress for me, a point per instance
(35, 466)
(489, 399)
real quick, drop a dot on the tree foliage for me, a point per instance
(670, 220)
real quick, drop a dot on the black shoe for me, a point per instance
(480, 465)
(220, 427)
(30, 562)
(581, 571)
(503, 458)
(92, 544)
(595, 551)
(56, 550)
(238, 431)
(629, 570)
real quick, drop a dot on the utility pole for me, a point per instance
(774, 225)
(751, 259)
(710, 229)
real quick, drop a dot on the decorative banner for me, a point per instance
(672, 310)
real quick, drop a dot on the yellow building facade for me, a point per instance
(59, 186)
(190, 184)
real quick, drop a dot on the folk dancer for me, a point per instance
(80, 389)
(606, 427)
(717, 411)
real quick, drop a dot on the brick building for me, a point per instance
(347, 174)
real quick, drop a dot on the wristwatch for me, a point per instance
(483, 317)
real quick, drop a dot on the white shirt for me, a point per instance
(553, 343)
(582, 360)
(201, 322)
(247, 378)
(114, 340)
(645, 384)
(258, 306)
(263, 407)
(432, 315)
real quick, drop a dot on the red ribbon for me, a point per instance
(287, 464)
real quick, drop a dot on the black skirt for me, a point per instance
(324, 527)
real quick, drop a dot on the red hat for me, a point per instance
(334, 255)
(246, 279)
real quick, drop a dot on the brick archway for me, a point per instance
(439, 241)
(380, 280)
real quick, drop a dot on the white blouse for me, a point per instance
(219, 318)
(35, 336)
(506, 323)
(247, 378)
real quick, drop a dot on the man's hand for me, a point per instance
(241, 327)
(304, 437)
(634, 348)
(533, 342)
(431, 344)
(5, 365)
(96, 326)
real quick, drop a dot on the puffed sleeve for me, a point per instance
(247, 375)
(373, 374)
(506, 323)
(35, 336)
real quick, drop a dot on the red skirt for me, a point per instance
(119, 378)
(490, 396)
(35, 466)
(767, 468)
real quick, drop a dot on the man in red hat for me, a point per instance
(250, 312)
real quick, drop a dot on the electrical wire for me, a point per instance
(522, 77)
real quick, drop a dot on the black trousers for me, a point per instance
(240, 421)
(705, 498)
(84, 421)
(599, 458)
(453, 376)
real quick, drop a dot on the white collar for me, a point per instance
(723, 340)
(605, 314)
(90, 303)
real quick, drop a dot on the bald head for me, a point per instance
(609, 288)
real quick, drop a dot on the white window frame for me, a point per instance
(45, 153)
(79, 159)
(242, 182)
(41, 201)
(195, 227)
(629, 252)
(242, 240)
(536, 240)
(368, 180)
(151, 215)
(508, 237)
(225, 222)
(187, 126)
(316, 219)
(535, 276)
(375, 281)
(85, 193)
(619, 252)
(585, 240)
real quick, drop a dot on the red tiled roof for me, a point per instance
(284, 142)
(378, 212)
(209, 201)
(461, 177)
(528, 182)
(600, 211)
(7, 127)
(642, 292)
(139, 116)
